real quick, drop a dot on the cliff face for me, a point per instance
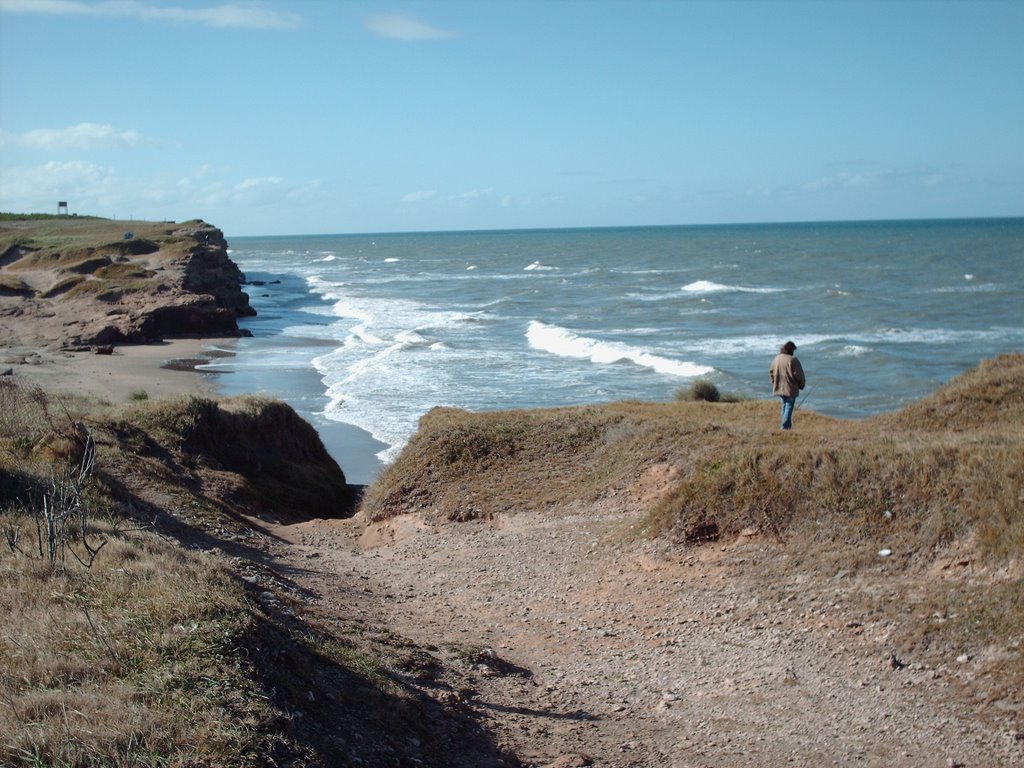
(209, 271)
(78, 283)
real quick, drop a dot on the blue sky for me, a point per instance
(292, 117)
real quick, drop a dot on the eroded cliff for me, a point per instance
(78, 283)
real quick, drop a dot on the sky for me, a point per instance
(318, 116)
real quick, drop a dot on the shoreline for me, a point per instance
(156, 369)
(168, 369)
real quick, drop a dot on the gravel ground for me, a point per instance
(581, 645)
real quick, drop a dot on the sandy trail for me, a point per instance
(588, 645)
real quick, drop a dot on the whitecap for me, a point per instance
(707, 286)
(942, 335)
(362, 333)
(976, 288)
(564, 343)
(854, 350)
(537, 266)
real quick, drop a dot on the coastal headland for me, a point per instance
(189, 580)
(99, 306)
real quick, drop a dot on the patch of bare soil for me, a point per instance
(580, 645)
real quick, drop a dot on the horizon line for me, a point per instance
(641, 226)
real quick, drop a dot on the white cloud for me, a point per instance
(39, 188)
(864, 177)
(473, 194)
(197, 174)
(403, 27)
(75, 137)
(465, 199)
(882, 178)
(249, 15)
(257, 182)
(419, 197)
(206, 191)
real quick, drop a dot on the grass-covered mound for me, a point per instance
(272, 459)
(127, 640)
(949, 467)
(84, 244)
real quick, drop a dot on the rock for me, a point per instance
(570, 761)
(198, 292)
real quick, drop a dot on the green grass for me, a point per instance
(61, 241)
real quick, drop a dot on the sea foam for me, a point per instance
(707, 286)
(565, 343)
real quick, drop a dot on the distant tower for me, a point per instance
(62, 208)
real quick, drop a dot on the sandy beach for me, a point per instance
(161, 370)
(167, 369)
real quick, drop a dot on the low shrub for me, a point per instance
(702, 390)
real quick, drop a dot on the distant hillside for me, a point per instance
(77, 282)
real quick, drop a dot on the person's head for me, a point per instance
(788, 348)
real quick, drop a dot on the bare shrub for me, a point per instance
(24, 414)
(60, 516)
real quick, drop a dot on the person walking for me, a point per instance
(788, 379)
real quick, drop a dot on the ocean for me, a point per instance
(363, 334)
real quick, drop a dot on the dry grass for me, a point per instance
(154, 655)
(460, 466)
(88, 245)
(947, 467)
(89, 674)
(62, 286)
(127, 662)
(283, 463)
(129, 272)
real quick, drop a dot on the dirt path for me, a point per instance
(589, 647)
